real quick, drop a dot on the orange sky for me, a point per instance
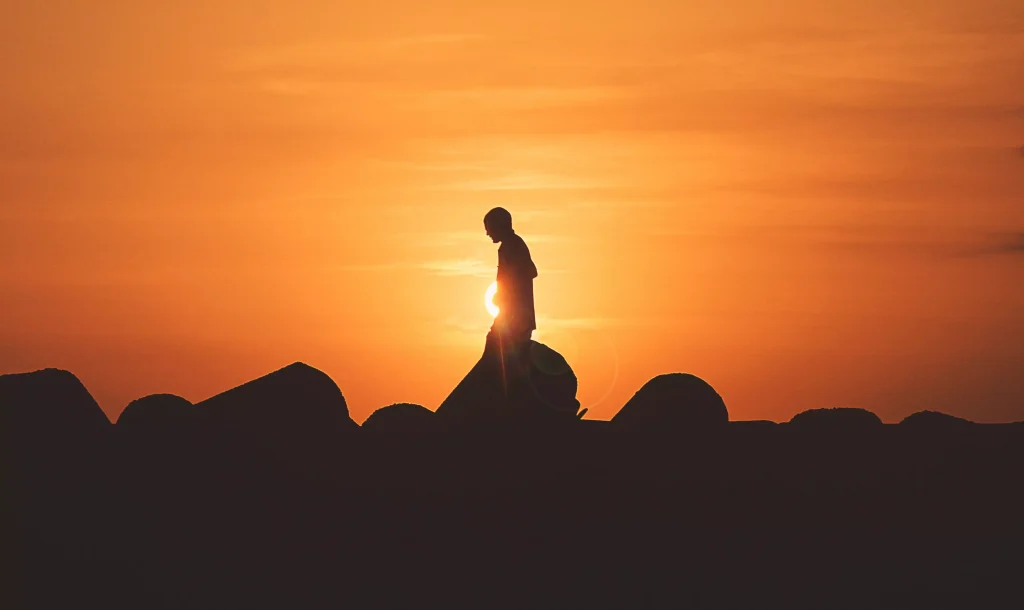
(808, 204)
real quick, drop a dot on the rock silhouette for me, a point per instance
(479, 393)
(550, 387)
(552, 381)
(676, 401)
(49, 400)
(754, 424)
(157, 410)
(501, 512)
(55, 450)
(933, 420)
(399, 419)
(291, 411)
(843, 419)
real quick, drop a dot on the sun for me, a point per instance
(489, 299)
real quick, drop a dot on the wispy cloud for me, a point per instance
(1011, 244)
(547, 324)
(994, 245)
(887, 239)
(468, 267)
(574, 323)
(520, 181)
(463, 326)
(443, 267)
(601, 323)
(453, 267)
(461, 238)
(431, 40)
(335, 52)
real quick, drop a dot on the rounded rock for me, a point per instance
(674, 401)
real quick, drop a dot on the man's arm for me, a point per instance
(515, 260)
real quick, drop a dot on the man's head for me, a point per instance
(498, 224)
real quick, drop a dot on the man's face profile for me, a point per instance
(493, 232)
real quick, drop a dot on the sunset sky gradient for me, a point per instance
(807, 204)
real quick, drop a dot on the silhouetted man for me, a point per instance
(516, 319)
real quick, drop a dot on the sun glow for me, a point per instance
(489, 299)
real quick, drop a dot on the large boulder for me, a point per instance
(552, 383)
(399, 419)
(294, 409)
(548, 386)
(479, 394)
(158, 410)
(840, 419)
(49, 401)
(753, 424)
(934, 420)
(676, 401)
(58, 516)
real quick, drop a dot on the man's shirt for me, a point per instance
(515, 285)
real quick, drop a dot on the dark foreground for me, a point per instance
(510, 511)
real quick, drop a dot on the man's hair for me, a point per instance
(498, 217)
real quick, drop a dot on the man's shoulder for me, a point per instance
(513, 254)
(514, 245)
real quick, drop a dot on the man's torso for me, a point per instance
(515, 285)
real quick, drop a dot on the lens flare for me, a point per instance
(489, 299)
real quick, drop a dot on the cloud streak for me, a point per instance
(459, 267)
(444, 267)
(1003, 244)
(1012, 245)
(461, 238)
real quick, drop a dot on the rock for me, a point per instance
(839, 419)
(156, 410)
(676, 401)
(58, 495)
(401, 419)
(552, 380)
(753, 424)
(479, 394)
(933, 420)
(49, 401)
(549, 386)
(54, 449)
(294, 409)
